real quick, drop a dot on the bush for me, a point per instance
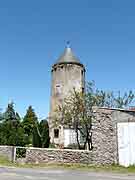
(72, 146)
(52, 145)
(20, 152)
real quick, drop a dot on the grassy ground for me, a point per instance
(112, 168)
(4, 161)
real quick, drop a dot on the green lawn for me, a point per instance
(4, 161)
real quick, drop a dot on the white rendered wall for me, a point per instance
(126, 143)
(69, 137)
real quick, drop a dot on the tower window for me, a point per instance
(56, 133)
(82, 73)
(58, 89)
(83, 90)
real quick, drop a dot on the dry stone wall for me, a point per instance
(104, 140)
(7, 151)
(104, 134)
(37, 155)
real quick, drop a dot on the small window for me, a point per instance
(58, 89)
(56, 133)
(82, 73)
(83, 90)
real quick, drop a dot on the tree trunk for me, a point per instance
(77, 138)
(84, 146)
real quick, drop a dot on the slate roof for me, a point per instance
(68, 57)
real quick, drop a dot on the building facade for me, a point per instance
(68, 73)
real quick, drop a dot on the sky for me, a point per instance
(33, 34)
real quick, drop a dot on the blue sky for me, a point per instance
(33, 34)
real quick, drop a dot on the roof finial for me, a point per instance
(68, 44)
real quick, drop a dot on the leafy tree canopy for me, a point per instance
(11, 131)
(29, 121)
(77, 109)
(41, 135)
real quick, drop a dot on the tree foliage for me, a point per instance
(77, 110)
(11, 131)
(29, 120)
(14, 131)
(41, 135)
(109, 99)
(29, 123)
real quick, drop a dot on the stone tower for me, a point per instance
(67, 73)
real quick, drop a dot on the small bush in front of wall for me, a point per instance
(20, 153)
(72, 146)
(52, 145)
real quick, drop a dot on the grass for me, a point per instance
(110, 168)
(4, 161)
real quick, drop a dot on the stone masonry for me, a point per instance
(104, 138)
(104, 134)
(7, 151)
(37, 155)
(67, 73)
(104, 141)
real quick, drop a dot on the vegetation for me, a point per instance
(29, 123)
(41, 135)
(4, 160)
(110, 168)
(27, 131)
(77, 110)
(11, 130)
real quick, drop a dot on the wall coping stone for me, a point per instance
(53, 149)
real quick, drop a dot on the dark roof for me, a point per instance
(68, 57)
(118, 109)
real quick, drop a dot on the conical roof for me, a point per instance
(68, 57)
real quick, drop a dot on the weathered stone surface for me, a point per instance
(7, 151)
(37, 155)
(104, 140)
(68, 73)
(104, 134)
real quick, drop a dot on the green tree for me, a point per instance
(1, 120)
(1, 116)
(41, 135)
(10, 114)
(36, 139)
(44, 133)
(29, 123)
(11, 131)
(77, 110)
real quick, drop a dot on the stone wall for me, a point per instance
(104, 141)
(38, 155)
(7, 151)
(104, 134)
(104, 138)
(123, 116)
